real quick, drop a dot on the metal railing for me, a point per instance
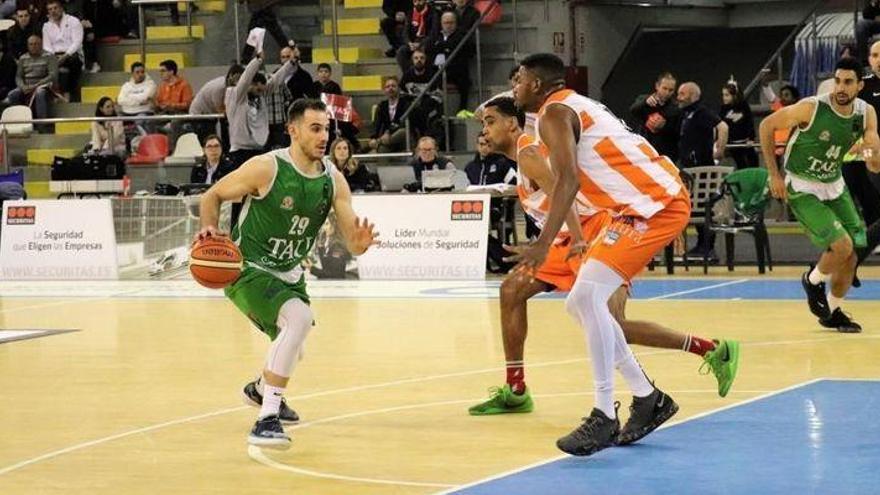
(4, 133)
(142, 21)
(441, 72)
(778, 53)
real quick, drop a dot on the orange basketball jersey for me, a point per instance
(535, 202)
(619, 171)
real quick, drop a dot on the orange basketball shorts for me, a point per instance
(561, 273)
(627, 244)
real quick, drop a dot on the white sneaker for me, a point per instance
(95, 68)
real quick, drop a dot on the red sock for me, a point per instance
(697, 345)
(516, 376)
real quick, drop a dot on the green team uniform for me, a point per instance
(817, 193)
(275, 233)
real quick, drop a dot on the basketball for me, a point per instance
(215, 262)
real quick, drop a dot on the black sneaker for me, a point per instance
(645, 415)
(597, 432)
(269, 433)
(816, 298)
(840, 321)
(252, 397)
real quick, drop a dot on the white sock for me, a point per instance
(834, 302)
(271, 400)
(816, 277)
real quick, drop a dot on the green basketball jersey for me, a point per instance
(276, 232)
(816, 153)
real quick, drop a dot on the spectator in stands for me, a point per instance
(868, 26)
(389, 133)
(247, 111)
(137, 96)
(248, 115)
(17, 36)
(657, 116)
(86, 13)
(264, 14)
(737, 114)
(421, 24)
(8, 69)
(37, 73)
(63, 36)
(467, 14)
(174, 95)
(108, 137)
(489, 168)
(299, 83)
(209, 100)
(427, 158)
(213, 166)
(702, 140)
(357, 175)
(440, 47)
(394, 24)
(324, 84)
(703, 135)
(419, 75)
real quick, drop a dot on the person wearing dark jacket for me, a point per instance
(389, 132)
(356, 174)
(467, 14)
(441, 46)
(737, 114)
(213, 166)
(489, 168)
(394, 23)
(324, 84)
(17, 36)
(264, 14)
(421, 23)
(657, 116)
(419, 75)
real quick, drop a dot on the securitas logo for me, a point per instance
(21, 215)
(467, 210)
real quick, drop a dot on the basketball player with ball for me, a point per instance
(287, 195)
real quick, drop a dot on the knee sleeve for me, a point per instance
(294, 323)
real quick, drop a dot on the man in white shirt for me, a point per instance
(63, 36)
(137, 96)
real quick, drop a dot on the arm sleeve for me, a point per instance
(19, 76)
(123, 98)
(47, 45)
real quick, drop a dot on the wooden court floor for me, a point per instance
(144, 398)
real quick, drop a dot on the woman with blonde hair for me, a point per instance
(355, 173)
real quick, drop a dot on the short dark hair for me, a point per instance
(136, 65)
(385, 79)
(212, 137)
(59, 2)
(234, 70)
(169, 65)
(793, 90)
(299, 107)
(507, 107)
(513, 71)
(665, 75)
(325, 65)
(259, 78)
(849, 63)
(549, 68)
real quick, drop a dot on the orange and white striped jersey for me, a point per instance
(619, 171)
(535, 202)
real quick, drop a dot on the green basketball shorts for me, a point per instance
(259, 295)
(828, 221)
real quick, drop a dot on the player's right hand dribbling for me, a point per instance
(208, 231)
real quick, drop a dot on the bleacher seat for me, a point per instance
(17, 113)
(186, 151)
(153, 148)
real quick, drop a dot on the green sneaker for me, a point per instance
(504, 401)
(723, 362)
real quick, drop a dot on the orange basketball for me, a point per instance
(215, 262)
